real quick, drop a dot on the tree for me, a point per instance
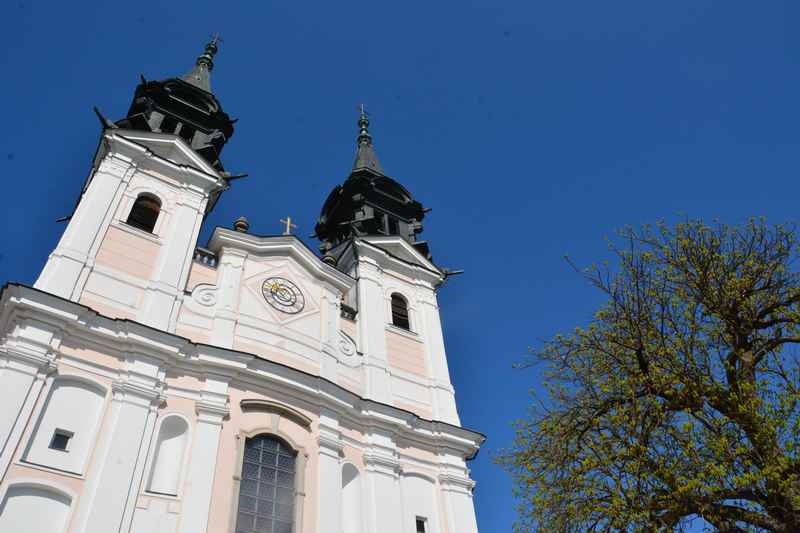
(680, 398)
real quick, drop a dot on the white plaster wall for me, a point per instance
(73, 406)
(419, 500)
(352, 513)
(33, 509)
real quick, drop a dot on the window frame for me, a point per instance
(58, 432)
(301, 461)
(143, 196)
(405, 300)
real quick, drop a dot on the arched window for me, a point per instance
(144, 213)
(351, 499)
(266, 495)
(400, 312)
(165, 472)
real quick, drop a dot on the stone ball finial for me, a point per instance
(241, 224)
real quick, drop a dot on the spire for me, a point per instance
(365, 154)
(200, 75)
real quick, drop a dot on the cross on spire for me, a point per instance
(289, 225)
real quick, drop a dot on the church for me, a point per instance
(251, 385)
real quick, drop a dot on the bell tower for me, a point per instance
(369, 203)
(128, 247)
(369, 229)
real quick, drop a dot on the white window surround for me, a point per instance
(130, 197)
(413, 335)
(38, 488)
(300, 473)
(411, 307)
(124, 226)
(158, 481)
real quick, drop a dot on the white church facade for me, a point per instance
(148, 385)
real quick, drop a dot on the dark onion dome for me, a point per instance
(185, 107)
(369, 203)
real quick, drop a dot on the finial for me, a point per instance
(199, 75)
(241, 224)
(363, 125)
(212, 47)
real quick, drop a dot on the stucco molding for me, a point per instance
(126, 338)
(282, 245)
(267, 406)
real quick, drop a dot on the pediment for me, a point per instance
(398, 248)
(169, 147)
(281, 246)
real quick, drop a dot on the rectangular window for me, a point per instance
(421, 527)
(60, 440)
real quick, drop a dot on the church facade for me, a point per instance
(149, 385)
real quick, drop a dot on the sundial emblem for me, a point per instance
(283, 295)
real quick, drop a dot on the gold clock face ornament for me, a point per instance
(283, 295)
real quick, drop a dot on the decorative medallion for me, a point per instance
(283, 295)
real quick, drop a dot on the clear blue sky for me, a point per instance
(533, 130)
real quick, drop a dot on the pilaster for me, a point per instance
(159, 305)
(67, 267)
(211, 411)
(444, 402)
(23, 373)
(459, 506)
(113, 484)
(229, 279)
(330, 473)
(372, 330)
(383, 487)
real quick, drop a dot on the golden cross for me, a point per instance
(289, 225)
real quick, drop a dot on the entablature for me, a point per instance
(133, 340)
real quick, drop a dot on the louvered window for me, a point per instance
(400, 312)
(144, 213)
(266, 496)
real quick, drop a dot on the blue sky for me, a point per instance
(532, 129)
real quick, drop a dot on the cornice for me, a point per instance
(385, 260)
(127, 336)
(132, 145)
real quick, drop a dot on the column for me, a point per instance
(112, 488)
(329, 487)
(211, 411)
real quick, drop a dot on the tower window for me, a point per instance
(421, 525)
(60, 440)
(400, 312)
(144, 213)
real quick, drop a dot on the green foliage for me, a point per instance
(681, 396)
